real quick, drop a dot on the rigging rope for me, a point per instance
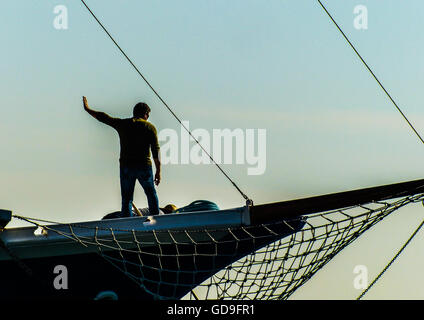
(370, 70)
(248, 200)
(406, 119)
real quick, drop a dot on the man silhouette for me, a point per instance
(137, 138)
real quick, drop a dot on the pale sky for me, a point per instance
(278, 65)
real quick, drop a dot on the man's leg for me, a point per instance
(127, 190)
(145, 177)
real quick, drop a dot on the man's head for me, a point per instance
(141, 110)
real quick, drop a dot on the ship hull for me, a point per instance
(159, 264)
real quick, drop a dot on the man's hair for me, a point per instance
(140, 109)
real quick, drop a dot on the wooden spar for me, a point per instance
(289, 209)
(137, 212)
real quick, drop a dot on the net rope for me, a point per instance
(262, 262)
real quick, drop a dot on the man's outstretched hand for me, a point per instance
(84, 101)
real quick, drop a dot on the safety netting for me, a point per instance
(265, 262)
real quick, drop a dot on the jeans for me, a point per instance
(144, 175)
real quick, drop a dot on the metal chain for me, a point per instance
(391, 262)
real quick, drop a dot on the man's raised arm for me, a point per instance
(101, 116)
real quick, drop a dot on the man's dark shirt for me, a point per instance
(137, 137)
